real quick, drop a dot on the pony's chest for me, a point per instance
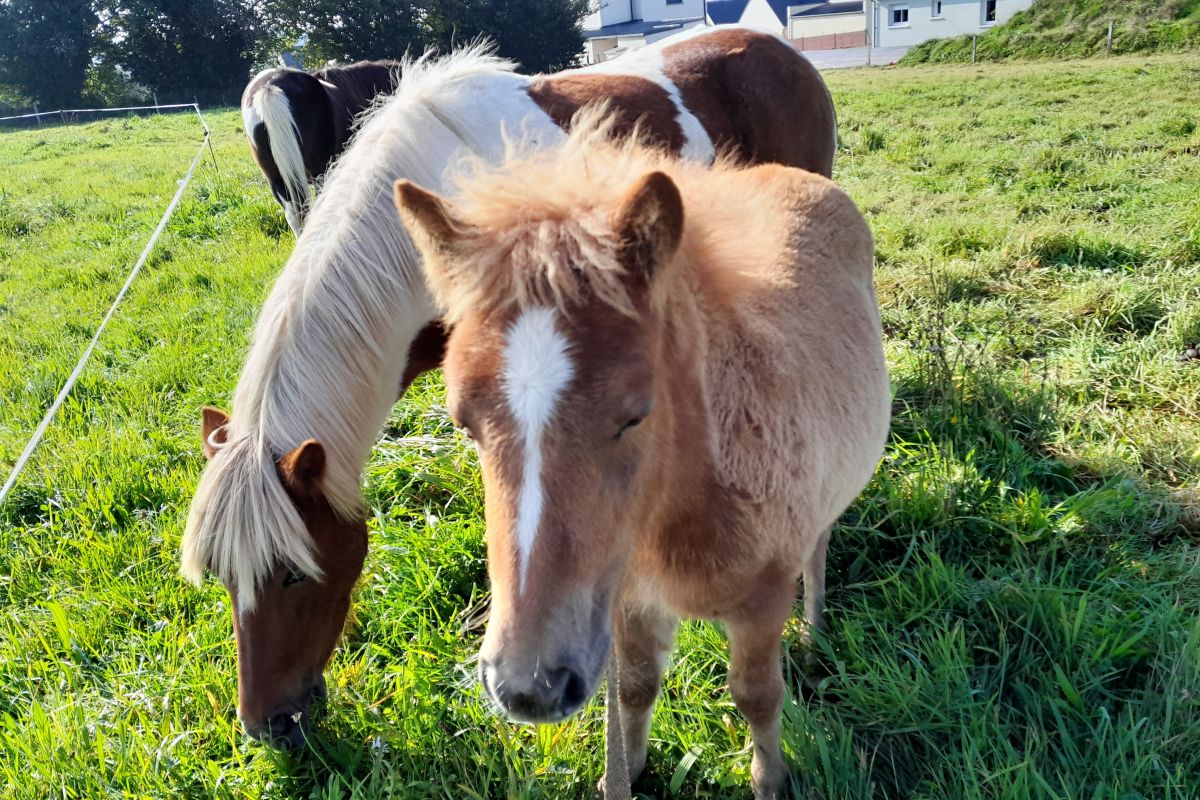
(695, 559)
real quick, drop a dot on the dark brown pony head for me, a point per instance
(285, 638)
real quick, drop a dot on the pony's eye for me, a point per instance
(292, 578)
(629, 424)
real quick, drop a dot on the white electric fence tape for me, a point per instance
(60, 112)
(66, 389)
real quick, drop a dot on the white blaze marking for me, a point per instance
(537, 368)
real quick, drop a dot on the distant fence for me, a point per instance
(65, 115)
(831, 41)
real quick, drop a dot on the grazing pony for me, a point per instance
(675, 380)
(298, 122)
(278, 513)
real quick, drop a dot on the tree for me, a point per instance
(184, 48)
(540, 35)
(45, 48)
(350, 30)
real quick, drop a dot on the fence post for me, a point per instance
(37, 114)
(974, 45)
(156, 103)
(1108, 43)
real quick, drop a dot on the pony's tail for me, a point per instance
(275, 110)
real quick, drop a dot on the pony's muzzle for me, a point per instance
(546, 694)
(287, 726)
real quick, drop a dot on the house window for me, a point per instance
(674, 2)
(936, 11)
(898, 17)
(989, 12)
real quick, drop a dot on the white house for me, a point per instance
(616, 26)
(827, 26)
(904, 23)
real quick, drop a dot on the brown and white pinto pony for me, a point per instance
(278, 513)
(298, 122)
(675, 380)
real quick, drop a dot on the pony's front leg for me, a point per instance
(814, 598)
(643, 639)
(756, 682)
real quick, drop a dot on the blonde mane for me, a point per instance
(330, 343)
(536, 230)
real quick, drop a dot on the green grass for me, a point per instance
(1014, 601)
(1075, 29)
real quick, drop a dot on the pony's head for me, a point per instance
(263, 524)
(552, 366)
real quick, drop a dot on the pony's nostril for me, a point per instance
(574, 692)
(551, 694)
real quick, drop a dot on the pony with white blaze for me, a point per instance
(298, 122)
(350, 323)
(674, 376)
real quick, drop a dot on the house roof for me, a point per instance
(823, 9)
(725, 12)
(638, 27)
(780, 7)
(729, 12)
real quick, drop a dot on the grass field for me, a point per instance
(1014, 601)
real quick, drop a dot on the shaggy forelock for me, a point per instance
(537, 229)
(242, 522)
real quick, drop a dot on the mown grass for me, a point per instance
(1014, 601)
(1075, 29)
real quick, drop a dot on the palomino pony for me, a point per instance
(278, 512)
(675, 380)
(299, 122)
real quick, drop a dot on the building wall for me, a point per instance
(654, 10)
(758, 14)
(608, 12)
(958, 17)
(598, 50)
(827, 24)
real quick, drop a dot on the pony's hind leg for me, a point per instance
(644, 638)
(756, 681)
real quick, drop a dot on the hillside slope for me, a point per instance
(1076, 28)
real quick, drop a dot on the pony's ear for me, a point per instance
(302, 468)
(427, 216)
(212, 429)
(649, 223)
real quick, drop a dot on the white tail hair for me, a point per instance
(276, 112)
